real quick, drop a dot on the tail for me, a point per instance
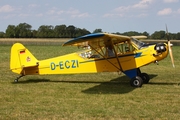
(22, 61)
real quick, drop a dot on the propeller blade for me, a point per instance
(169, 46)
(167, 34)
(171, 54)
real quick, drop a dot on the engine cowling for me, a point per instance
(160, 47)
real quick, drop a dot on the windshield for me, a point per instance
(138, 43)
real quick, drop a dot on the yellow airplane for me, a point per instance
(102, 52)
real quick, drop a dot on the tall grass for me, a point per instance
(33, 41)
(88, 96)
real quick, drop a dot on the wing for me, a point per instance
(97, 40)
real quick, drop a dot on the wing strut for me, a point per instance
(106, 58)
(116, 56)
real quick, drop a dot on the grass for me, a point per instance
(88, 96)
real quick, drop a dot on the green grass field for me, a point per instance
(88, 96)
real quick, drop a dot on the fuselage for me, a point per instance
(76, 63)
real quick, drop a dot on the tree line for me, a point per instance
(24, 30)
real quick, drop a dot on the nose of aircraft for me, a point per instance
(160, 47)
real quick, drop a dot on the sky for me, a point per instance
(110, 16)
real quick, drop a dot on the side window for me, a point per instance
(123, 48)
(89, 54)
(85, 54)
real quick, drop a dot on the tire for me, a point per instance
(145, 78)
(136, 82)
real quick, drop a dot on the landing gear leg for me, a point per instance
(17, 79)
(137, 78)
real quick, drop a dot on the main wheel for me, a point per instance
(145, 78)
(136, 81)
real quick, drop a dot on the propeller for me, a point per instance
(169, 46)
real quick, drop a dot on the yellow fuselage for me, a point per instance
(74, 63)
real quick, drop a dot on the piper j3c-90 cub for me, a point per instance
(105, 53)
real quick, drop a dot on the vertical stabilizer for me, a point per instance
(21, 58)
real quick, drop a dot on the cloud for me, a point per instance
(112, 15)
(60, 12)
(123, 11)
(143, 4)
(170, 1)
(6, 8)
(165, 11)
(74, 13)
(83, 15)
(140, 5)
(51, 12)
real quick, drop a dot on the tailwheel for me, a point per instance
(136, 81)
(17, 79)
(145, 78)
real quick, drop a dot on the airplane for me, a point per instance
(102, 52)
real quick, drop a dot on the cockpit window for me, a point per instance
(139, 44)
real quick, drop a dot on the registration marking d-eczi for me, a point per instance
(65, 64)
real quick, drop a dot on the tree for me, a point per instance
(131, 33)
(172, 36)
(146, 34)
(11, 31)
(2, 34)
(45, 31)
(71, 31)
(23, 30)
(178, 36)
(81, 32)
(34, 33)
(60, 31)
(158, 35)
(98, 30)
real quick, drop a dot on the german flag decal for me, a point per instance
(22, 51)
